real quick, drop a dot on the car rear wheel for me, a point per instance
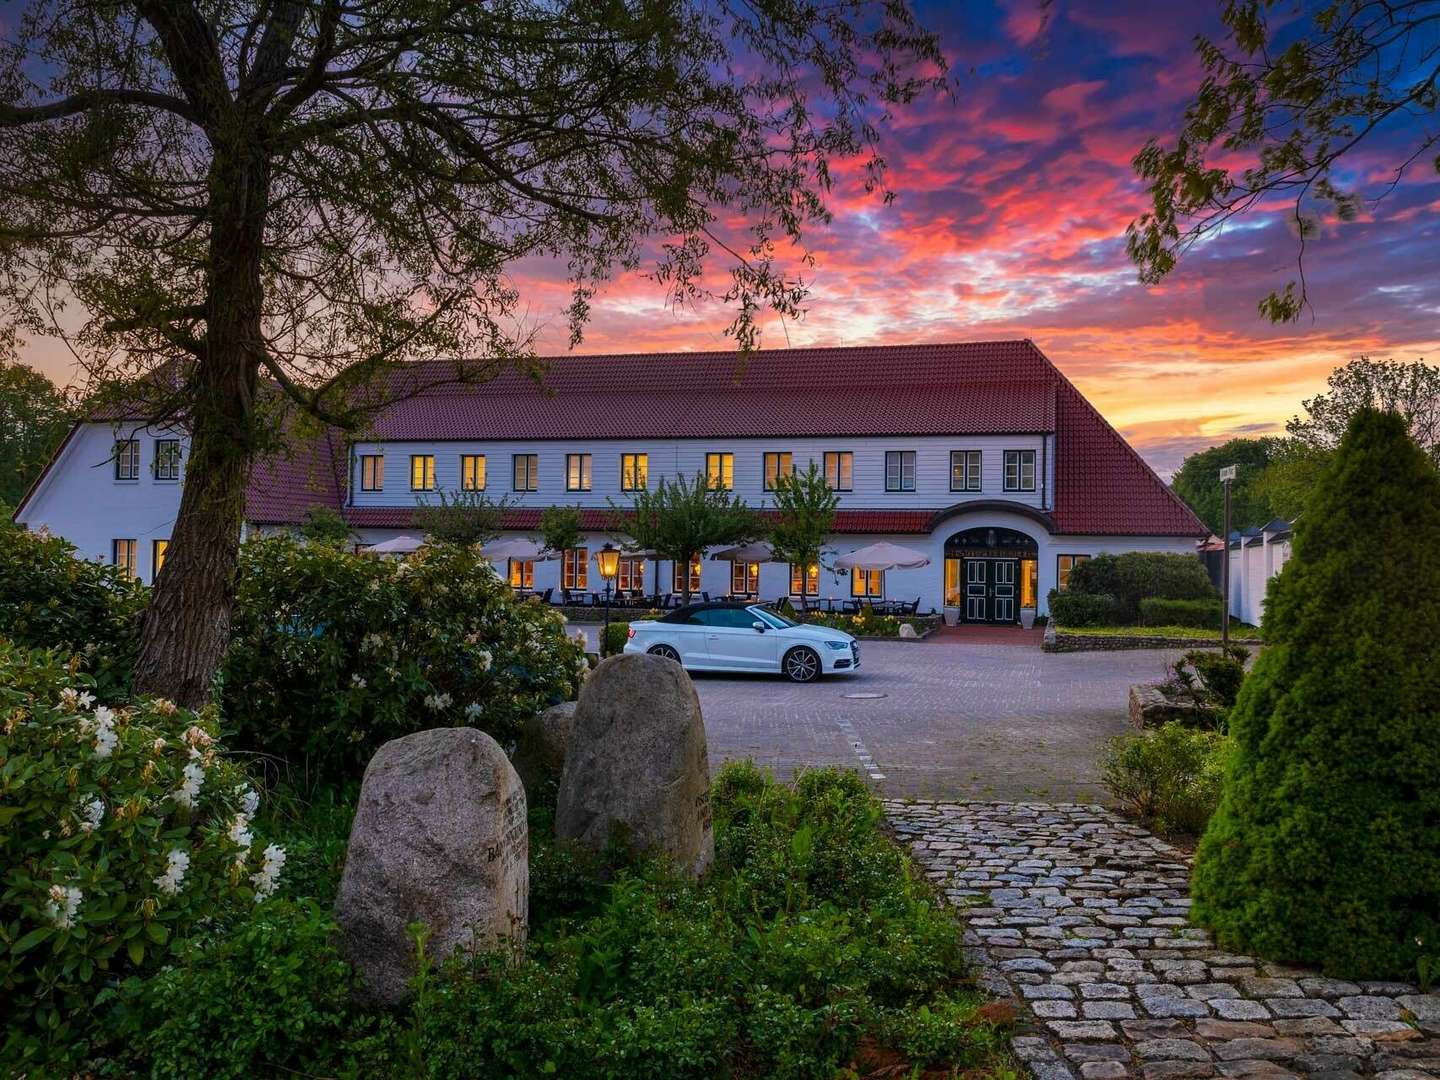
(664, 650)
(801, 665)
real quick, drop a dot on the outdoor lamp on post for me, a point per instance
(608, 558)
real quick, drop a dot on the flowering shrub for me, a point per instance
(333, 654)
(120, 830)
(51, 599)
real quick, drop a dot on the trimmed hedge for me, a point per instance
(1082, 609)
(1136, 575)
(1325, 849)
(614, 638)
(1159, 611)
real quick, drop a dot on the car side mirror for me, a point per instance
(760, 626)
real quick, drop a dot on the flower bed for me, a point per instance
(1112, 638)
(873, 627)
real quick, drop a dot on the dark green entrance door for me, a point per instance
(991, 589)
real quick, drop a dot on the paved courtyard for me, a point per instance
(939, 720)
(1084, 919)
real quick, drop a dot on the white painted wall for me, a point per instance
(1252, 568)
(81, 500)
(687, 457)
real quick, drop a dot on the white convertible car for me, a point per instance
(741, 637)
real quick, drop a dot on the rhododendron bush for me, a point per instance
(121, 830)
(333, 654)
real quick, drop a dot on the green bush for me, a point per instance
(1158, 611)
(267, 997)
(333, 654)
(1078, 609)
(1136, 575)
(1169, 776)
(52, 599)
(615, 637)
(120, 831)
(1325, 849)
(812, 932)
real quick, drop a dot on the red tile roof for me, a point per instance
(1102, 486)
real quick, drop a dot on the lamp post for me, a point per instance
(1227, 477)
(608, 558)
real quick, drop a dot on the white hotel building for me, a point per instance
(983, 456)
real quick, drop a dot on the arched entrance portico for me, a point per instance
(991, 573)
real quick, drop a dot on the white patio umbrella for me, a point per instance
(883, 556)
(746, 553)
(522, 548)
(399, 545)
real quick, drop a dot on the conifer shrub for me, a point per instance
(1325, 849)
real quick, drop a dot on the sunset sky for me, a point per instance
(1010, 220)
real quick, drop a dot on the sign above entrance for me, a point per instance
(990, 543)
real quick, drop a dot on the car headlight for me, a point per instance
(838, 646)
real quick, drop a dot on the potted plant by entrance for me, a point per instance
(1027, 618)
(952, 616)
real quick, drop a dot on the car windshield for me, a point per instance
(774, 618)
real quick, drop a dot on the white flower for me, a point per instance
(358, 681)
(473, 710)
(268, 876)
(239, 831)
(64, 903)
(102, 726)
(189, 789)
(370, 642)
(92, 812)
(69, 699)
(249, 801)
(105, 742)
(177, 862)
(158, 745)
(438, 702)
(484, 659)
(198, 739)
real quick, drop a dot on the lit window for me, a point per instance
(744, 578)
(522, 573)
(167, 459)
(634, 472)
(630, 575)
(158, 548)
(900, 470)
(679, 581)
(527, 472)
(122, 555)
(720, 472)
(575, 569)
(840, 469)
(805, 581)
(422, 472)
(372, 472)
(127, 459)
(577, 472)
(964, 470)
(472, 472)
(1019, 470)
(867, 582)
(1064, 564)
(778, 466)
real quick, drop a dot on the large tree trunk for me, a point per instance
(187, 626)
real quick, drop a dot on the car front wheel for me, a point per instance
(802, 665)
(666, 651)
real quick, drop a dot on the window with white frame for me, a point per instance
(964, 470)
(840, 470)
(679, 577)
(526, 472)
(630, 574)
(1019, 470)
(744, 578)
(167, 459)
(372, 472)
(577, 472)
(522, 573)
(867, 582)
(804, 580)
(127, 459)
(123, 555)
(575, 569)
(472, 472)
(900, 470)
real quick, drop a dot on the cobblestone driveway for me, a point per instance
(1084, 918)
(953, 721)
